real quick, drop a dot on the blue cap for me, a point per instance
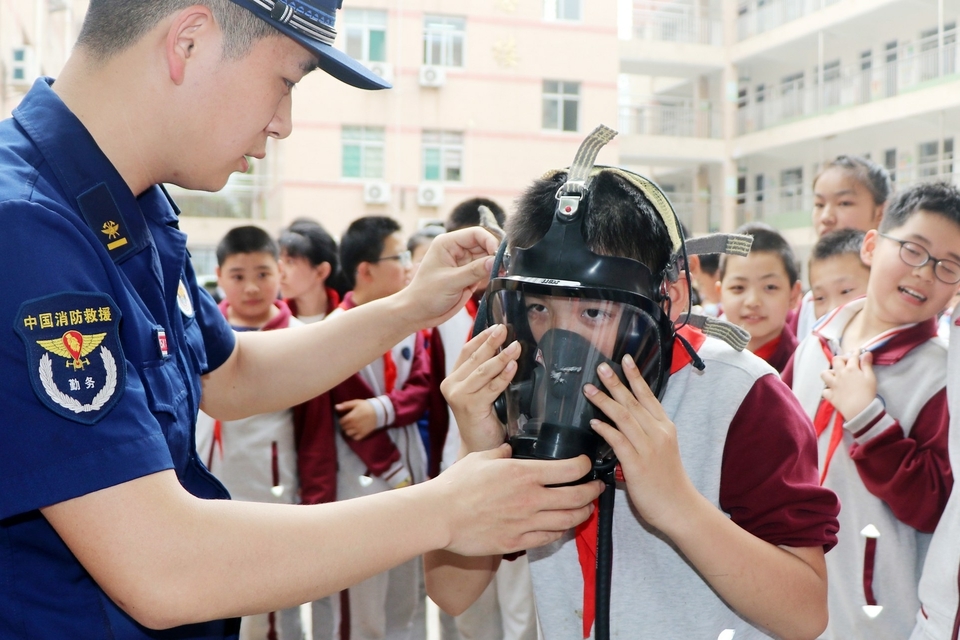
(311, 23)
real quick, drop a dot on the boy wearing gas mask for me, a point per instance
(720, 525)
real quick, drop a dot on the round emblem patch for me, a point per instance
(183, 299)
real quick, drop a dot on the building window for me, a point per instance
(561, 105)
(443, 41)
(929, 160)
(362, 152)
(571, 10)
(890, 163)
(366, 34)
(443, 155)
(791, 185)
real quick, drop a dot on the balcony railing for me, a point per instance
(901, 70)
(674, 22)
(688, 205)
(758, 16)
(682, 118)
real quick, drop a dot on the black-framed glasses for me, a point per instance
(915, 255)
(405, 258)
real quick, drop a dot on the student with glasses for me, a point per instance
(873, 377)
(380, 404)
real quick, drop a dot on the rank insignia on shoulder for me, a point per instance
(74, 359)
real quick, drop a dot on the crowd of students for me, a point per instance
(861, 351)
(384, 428)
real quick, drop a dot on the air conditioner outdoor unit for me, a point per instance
(430, 194)
(382, 69)
(431, 76)
(376, 193)
(22, 66)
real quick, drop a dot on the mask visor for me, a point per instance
(565, 333)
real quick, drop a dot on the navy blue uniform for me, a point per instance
(107, 334)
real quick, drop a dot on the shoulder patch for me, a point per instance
(74, 359)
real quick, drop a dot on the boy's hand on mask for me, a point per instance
(358, 418)
(480, 375)
(850, 383)
(645, 444)
(454, 266)
(494, 504)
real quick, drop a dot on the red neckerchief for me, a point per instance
(333, 301)
(279, 321)
(887, 348)
(389, 366)
(822, 419)
(586, 532)
(767, 350)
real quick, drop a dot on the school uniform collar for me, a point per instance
(888, 348)
(279, 321)
(85, 174)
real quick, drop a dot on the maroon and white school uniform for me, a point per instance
(749, 449)
(889, 466)
(939, 614)
(384, 605)
(256, 460)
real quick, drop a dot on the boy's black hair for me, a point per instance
(620, 220)
(363, 242)
(870, 174)
(248, 239)
(467, 214)
(941, 198)
(710, 263)
(837, 243)
(423, 236)
(766, 239)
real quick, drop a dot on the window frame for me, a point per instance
(560, 98)
(446, 144)
(552, 10)
(366, 26)
(365, 144)
(451, 32)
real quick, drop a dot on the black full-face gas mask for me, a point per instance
(572, 309)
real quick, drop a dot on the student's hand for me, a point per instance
(851, 384)
(455, 264)
(479, 376)
(495, 504)
(646, 446)
(358, 419)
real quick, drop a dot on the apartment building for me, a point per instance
(487, 94)
(768, 90)
(731, 105)
(35, 38)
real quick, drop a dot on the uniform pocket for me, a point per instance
(164, 385)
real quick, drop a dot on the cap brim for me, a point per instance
(330, 59)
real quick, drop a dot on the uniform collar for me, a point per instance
(82, 169)
(888, 348)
